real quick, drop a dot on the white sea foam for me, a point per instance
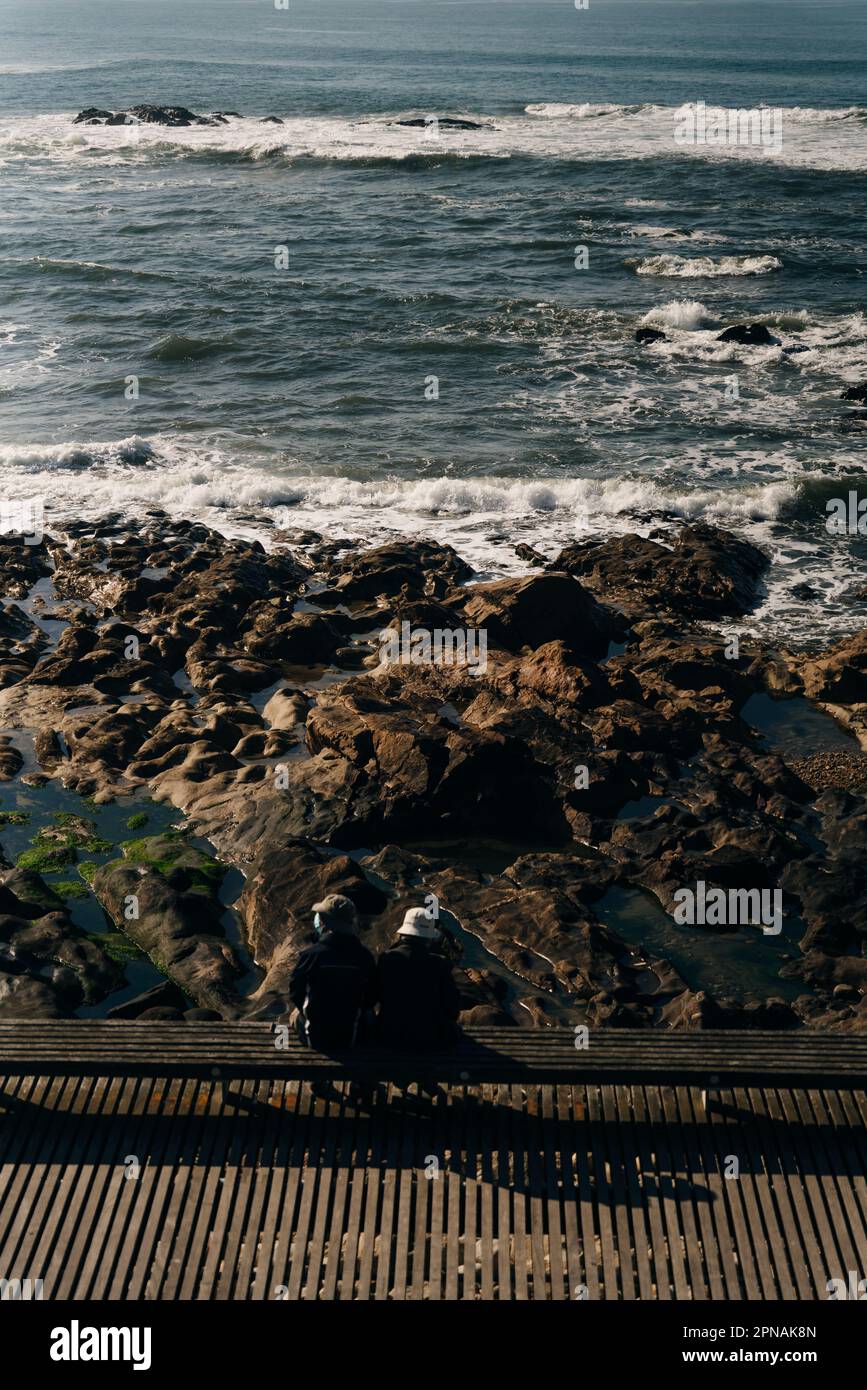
(89, 478)
(686, 314)
(833, 348)
(484, 518)
(705, 267)
(672, 233)
(812, 138)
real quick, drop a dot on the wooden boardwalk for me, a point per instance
(149, 1188)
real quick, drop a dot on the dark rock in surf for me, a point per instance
(444, 123)
(146, 115)
(22, 565)
(413, 568)
(650, 335)
(707, 573)
(271, 120)
(749, 335)
(165, 115)
(530, 556)
(856, 393)
(93, 115)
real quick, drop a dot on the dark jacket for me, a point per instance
(332, 984)
(419, 1000)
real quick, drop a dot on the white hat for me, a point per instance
(418, 922)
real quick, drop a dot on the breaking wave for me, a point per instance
(704, 267)
(549, 130)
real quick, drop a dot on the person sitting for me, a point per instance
(334, 981)
(418, 998)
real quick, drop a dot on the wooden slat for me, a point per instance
(323, 1159)
(125, 1224)
(254, 1234)
(266, 1276)
(239, 1220)
(472, 1203)
(728, 1144)
(91, 1182)
(671, 1211)
(441, 1144)
(829, 1111)
(185, 1254)
(543, 1190)
(687, 1102)
(346, 1161)
(164, 1192)
(503, 1151)
(536, 1179)
(30, 1204)
(454, 1236)
(621, 1205)
(320, 1111)
(487, 1183)
(426, 1148)
(373, 1185)
(635, 1193)
(404, 1185)
(488, 1055)
(750, 1179)
(582, 1161)
(150, 1191)
(551, 1180)
(760, 1169)
(304, 1117)
(385, 1254)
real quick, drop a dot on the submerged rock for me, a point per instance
(48, 966)
(163, 894)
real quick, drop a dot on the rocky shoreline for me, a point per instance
(600, 747)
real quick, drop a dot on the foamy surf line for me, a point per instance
(81, 481)
(704, 267)
(810, 138)
(483, 518)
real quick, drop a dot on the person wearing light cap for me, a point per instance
(334, 981)
(418, 998)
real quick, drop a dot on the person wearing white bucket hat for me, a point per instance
(418, 999)
(418, 922)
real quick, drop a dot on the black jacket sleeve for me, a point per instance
(450, 999)
(300, 977)
(371, 985)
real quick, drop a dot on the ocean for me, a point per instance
(370, 329)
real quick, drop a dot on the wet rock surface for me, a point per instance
(600, 748)
(707, 573)
(149, 115)
(750, 335)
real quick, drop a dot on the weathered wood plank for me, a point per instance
(620, 1190)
